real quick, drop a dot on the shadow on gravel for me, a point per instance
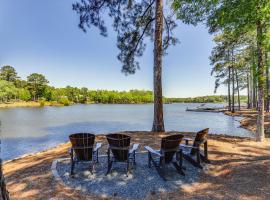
(141, 182)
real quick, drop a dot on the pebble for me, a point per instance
(141, 181)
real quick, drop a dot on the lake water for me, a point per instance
(27, 130)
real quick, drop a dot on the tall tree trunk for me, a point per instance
(233, 107)
(251, 86)
(238, 90)
(158, 123)
(254, 75)
(229, 90)
(260, 119)
(267, 82)
(233, 90)
(248, 91)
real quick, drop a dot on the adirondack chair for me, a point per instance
(119, 146)
(168, 153)
(193, 153)
(83, 150)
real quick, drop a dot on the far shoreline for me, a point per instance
(34, 104)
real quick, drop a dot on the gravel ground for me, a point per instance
(140, 183)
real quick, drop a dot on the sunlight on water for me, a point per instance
(26, 130)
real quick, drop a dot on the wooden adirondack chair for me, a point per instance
(193, 153)
(83, 150)
(119, 146)
(168, 153)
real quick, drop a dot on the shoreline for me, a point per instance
(190, 134)
(249, 120)
(28, 104)
(34, 104)
(31, 177)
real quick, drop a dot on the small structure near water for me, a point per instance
(202, 108)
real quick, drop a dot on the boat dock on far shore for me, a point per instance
(206, 109)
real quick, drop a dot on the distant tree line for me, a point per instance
(204, 99)
(36, 88)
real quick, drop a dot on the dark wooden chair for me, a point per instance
(168, 153)
(193, 153)
(119, 146)
(83, 150)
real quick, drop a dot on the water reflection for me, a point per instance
(26, 130)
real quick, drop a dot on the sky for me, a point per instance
(43, 37)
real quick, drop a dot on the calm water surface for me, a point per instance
(27, 130)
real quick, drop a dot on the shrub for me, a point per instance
(42, 102)
(64, 100)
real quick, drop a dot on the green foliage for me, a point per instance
(36, 84)
(7, 91)
(8, 73)
(203, 99)
(64, 100)
(133, 21)
(24, 94)
(124, 97)
(42, 102)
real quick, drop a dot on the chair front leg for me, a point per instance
(205, 150)
(198, 155)
(134, 158)
(127, 169)
(72, 162)
(162, 165)
(97, 161)
(149, 159)
(180, 153)
(91, 167)
(109, 162)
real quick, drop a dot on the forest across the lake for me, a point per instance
(35, 91)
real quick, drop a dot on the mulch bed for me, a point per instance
(239, 169)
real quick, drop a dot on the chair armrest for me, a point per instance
(188, 146)
(149, 149)
(188, 139)
(98, 146)
(134, 148)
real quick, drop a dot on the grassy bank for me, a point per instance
(28, 104)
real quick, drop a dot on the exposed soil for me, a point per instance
(239, 169)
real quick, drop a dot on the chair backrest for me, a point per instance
(200, 138)
(83, 143)
(170, 145)
(119, 144)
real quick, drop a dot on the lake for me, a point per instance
(27, 130)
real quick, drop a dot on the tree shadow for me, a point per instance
(239, 170)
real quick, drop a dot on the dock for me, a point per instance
(213, 110)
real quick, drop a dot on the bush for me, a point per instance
(42, 102)
(24, 94)
(64, 100)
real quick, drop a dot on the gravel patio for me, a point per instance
(140, 183)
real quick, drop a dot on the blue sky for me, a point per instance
(43, 36)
